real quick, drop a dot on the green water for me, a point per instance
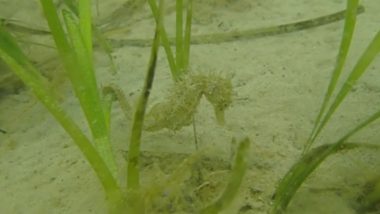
(278, 76)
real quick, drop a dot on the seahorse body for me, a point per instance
(181, 104)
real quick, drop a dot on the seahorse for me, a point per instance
(179, 107)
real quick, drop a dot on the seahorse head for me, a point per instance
(218, 91)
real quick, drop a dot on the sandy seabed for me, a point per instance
(278, 82)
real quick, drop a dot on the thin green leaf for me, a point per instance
(360, 68)
(13, 52)
(133, 179)
(165, 41)
(14, 57)
(179, 35)
(236, 178)
(56, 29)
(349, 26)
(84, 82)
(100, 39)
(85, 23)
(300, 171)
(187, 38)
